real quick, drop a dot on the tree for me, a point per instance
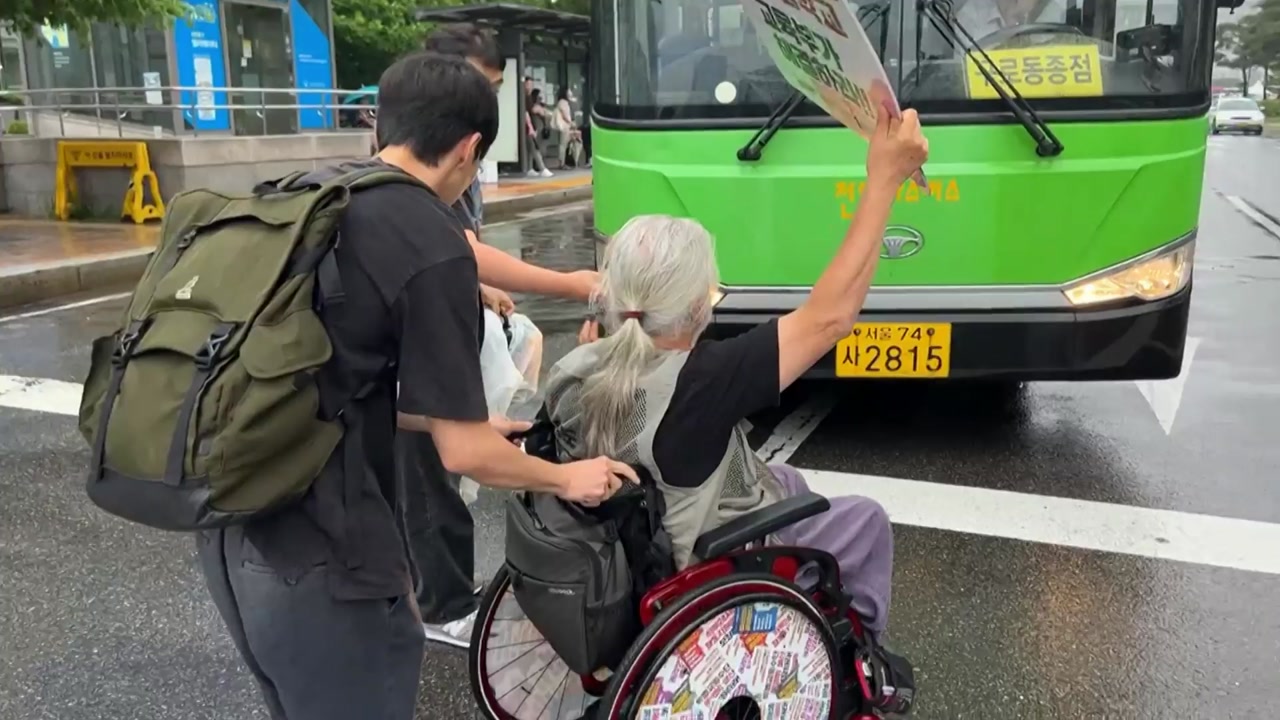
(27, 16)
(370, 34)
(1260, 35)
(1232, 51)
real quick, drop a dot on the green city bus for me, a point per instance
(1067, 142)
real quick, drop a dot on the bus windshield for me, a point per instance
(701, 59)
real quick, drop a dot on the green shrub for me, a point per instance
(1271, 108)
(17, 127)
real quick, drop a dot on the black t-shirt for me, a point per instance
(411, 289)
(722, 382)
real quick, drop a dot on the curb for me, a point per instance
(505, 208)
(119, 271)
(98, 273)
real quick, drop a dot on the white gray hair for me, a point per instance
(656, 280)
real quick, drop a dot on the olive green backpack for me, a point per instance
(204, 409)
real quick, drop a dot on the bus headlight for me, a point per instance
(1154, 278)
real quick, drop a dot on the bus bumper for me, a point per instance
(1139, 341)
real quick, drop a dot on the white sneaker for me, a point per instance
(456, 634)
(532, 173)
(546, 172)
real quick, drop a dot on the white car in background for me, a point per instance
(1236, 114)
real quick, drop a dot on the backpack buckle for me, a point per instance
(208, 353)
(125, 344)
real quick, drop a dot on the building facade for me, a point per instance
(228, 55)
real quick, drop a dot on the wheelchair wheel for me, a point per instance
(743, 647)
(515, 675)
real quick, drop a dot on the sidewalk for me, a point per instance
(45, 259)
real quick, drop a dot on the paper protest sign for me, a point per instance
(822, 51)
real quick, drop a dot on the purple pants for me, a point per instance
(856, 531)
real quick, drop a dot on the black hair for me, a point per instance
(430, 102)
(535, 96)
(562, 93)
(468, 41)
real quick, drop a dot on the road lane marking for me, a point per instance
(1258, 218)
(1165, 396)
(1160, 534)
(788, 435)
(40, 394)
(60, 308)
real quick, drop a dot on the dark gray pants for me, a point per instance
(440, 530)
(315, 657)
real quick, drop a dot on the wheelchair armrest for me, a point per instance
(759, 524)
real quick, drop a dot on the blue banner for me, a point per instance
(197, 43)
(313, 67)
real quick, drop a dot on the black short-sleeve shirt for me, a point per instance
(410, 318)
(722, 382)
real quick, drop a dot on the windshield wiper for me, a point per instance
(751, 151)
(940, 14)
(755, 146)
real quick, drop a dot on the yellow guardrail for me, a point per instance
(133, 155)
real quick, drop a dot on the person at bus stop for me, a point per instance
(651, 393)
(317, 596)
(536, 120)
(562, 120)
(438, 523)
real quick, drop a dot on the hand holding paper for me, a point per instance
(897, 147)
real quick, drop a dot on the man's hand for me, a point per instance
(590, 332)
(507, 427)
(497, 300)
(898, 148)
(591, 482)
(582, 284)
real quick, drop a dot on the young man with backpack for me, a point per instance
(437, 520)
(253, 392)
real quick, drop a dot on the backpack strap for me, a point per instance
(120, 356)
(280, 185)
(331, 296)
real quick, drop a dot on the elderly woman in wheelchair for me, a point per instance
(720, 587)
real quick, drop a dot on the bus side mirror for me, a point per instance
(1231, 4)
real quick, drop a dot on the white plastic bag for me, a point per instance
(526, 355)
(505, 371)
(502, 378)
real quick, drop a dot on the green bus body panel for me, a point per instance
(999, 215)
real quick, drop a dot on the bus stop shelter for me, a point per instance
(549, 48)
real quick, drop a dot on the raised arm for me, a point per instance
(805, 335)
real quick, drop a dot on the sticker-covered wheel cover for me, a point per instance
(769, 652)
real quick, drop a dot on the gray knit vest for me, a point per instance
(740, 484)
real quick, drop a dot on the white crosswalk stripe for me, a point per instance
(1108, 527)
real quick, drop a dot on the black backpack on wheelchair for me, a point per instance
(579, 573)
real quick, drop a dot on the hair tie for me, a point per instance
(637, 315)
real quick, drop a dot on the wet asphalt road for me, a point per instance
(99, 619)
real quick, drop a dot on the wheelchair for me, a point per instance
(752, 632)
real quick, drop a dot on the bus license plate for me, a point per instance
(895, 350)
